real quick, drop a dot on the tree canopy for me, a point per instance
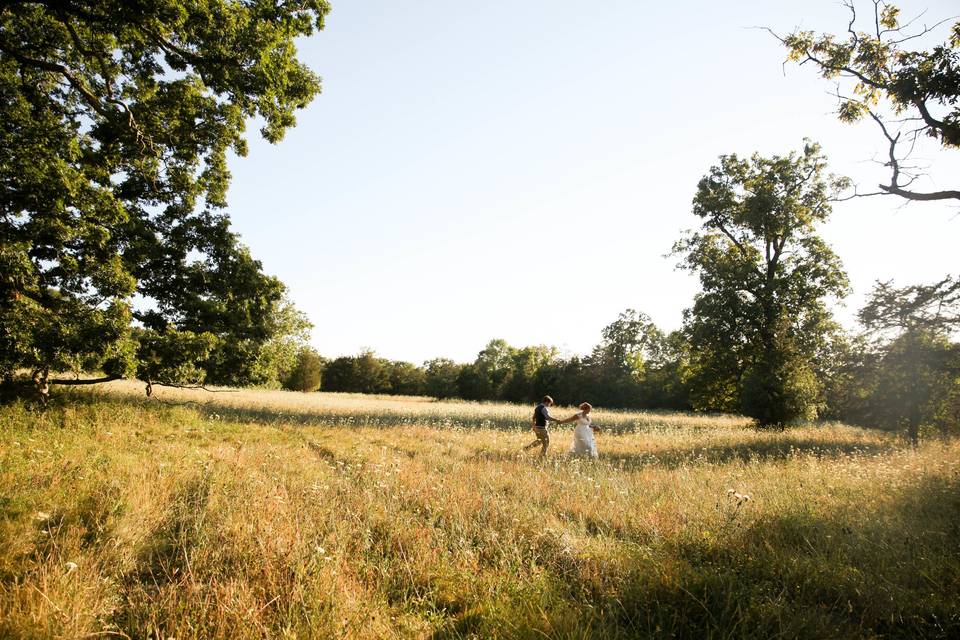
(761, 318)
(905, 371)
(919, 88)
(115, 122)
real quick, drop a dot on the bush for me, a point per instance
(306, 373)
(779, 390)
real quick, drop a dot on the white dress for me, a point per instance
(583, 441)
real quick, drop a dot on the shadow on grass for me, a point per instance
(893, 573)
(780, 447)
(166, 553)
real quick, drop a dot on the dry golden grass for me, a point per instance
(355, 409)
(278, 515)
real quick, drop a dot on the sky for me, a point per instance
(520, 169)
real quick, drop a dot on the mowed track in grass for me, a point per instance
(269, 514)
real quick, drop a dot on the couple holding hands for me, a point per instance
(583, 440)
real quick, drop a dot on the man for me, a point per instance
(541, 415)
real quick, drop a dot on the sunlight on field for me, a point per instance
(269, 514)
(372, 410)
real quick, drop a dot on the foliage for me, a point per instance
(780, 386)
(903, 371)
(406, 378)
(307, 371)
(935, 307)
(635, 365)
(525, 383)
(761, 317)
(115, 122)
(616, 367)
(917, 378)
(289, 333)
(441, 375)
(909, 375)
(171, 357)
(363, 373)
(485, 378)
(920, 87)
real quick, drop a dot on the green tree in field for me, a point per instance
(760, 320)
(307, 371)
(277, 356)
(916, 378)
(616, 367)
(664, 383)
(372, 373)
(116, 118)
(629, 342)
(908, 94)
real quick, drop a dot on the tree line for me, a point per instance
(900, 370)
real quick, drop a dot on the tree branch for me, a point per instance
(895, 187)
(74, 382)
(46, 65)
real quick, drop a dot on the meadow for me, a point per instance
(258, 514)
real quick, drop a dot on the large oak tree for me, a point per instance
(757, 327)
(116, 118)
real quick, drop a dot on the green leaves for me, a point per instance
(879, 77)
(760, 319)
(172, 357)
(889, 17)
(115, 121)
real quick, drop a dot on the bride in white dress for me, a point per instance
(583, 443)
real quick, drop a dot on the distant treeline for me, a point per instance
(891, 380)
(636, 365)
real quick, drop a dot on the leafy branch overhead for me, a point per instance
(907, 93)
(115, 122)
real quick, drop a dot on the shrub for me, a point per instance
(306, 373)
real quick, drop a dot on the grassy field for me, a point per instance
(281, 515)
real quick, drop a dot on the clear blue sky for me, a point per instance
(519, 169)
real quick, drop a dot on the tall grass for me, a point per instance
(355, 409)
(264, 515)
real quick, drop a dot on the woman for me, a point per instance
(583, 440)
